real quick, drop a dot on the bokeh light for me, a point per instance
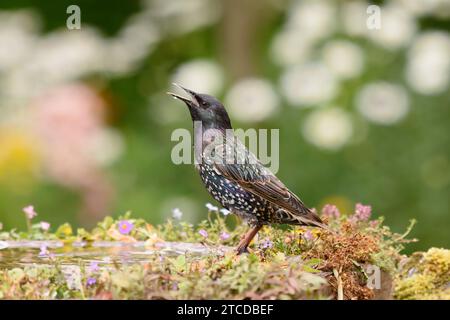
(383, 103)
(329, 129)
(252, 100)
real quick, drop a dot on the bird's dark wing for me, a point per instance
(253, 177)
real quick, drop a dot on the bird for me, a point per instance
(243, 185)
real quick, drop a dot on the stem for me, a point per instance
(29, 225)
(340, 289)
(412, 222)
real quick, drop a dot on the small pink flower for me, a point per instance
(362, 212)
(308, 235)
(224, 235)
(93, 267)
(374, 223)
(43, 251)
(125, 226)
(203, 233)
(330, 211)
(44, 225)
(30, 213)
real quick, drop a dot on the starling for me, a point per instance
(243, 185)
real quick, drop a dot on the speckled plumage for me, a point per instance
(230, 195)
(233, 186)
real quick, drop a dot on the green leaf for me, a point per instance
(309, 269)
(180, 263)
(313, 262)
(64, 231)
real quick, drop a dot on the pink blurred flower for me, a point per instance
(224, 235)
(29, 211)
(125, 226)
(374, 223)
(308, 235)
(44, 225)
(93, 267)
(203, 233)
(69, 122)
(362, 212)
(330, 211)
(43, 251)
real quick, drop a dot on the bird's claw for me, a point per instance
(242, 249)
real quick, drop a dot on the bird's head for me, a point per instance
(205, 108)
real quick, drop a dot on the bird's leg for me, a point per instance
(243, 244)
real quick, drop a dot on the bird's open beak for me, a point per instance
(190, 102)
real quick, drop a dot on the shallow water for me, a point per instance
(23, 253)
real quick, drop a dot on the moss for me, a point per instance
(425, 276)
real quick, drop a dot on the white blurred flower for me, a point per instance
(440, 8)
(428, 66)
(354, 17)
(308, 84)
(28, 19)
(65, 54)
(290, 47)
(252, 100)
(106, 146)
(45, 226)
(397, 27)
(383, 103)
(203, 76)
(181, 16)
(58, 57)
(313, 18)
(133, 43)
(211, 207)
(328, 129)
(417, 7)
(343, 58)
(225, 212)
(72, 274)
(17, 36)
(177, 214)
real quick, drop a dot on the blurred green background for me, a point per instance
(363, 113)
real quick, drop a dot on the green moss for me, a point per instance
(425, 276)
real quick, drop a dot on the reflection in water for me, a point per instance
(105, 253)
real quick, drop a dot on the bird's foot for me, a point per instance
(245, 241)
(242, 249)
